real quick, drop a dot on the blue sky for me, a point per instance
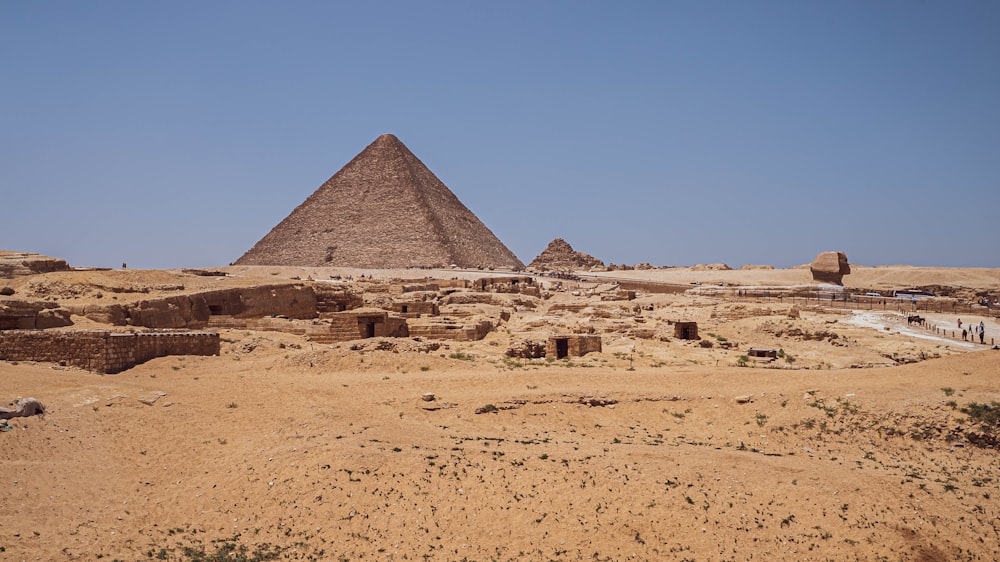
(170, 134)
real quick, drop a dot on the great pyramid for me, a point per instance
(384, 209)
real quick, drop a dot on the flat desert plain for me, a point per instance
(867, 440)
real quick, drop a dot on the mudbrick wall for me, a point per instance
(101, 351)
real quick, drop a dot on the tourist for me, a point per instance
(982, 332)
(959, 323)
(963, 335)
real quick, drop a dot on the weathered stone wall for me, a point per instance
(101, 351)
(443, 330)
(267, 324)
(348, 326)
(332, 298)
(512, 284)
(194, 310)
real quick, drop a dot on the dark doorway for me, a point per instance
(404, 309)
(367, 329)
(215, 309)
(562, 348)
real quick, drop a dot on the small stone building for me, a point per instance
(414, 309)
(357, 325)
(763, 352)
(575, 345)
(686, 330)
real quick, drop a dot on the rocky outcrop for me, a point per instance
(830, 267)
(711, 267)
(194, 310)
(32, 315)
(17, 264)
(560, 256)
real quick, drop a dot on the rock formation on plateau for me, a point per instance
(830, 267)
(16, 264)
(384, 209)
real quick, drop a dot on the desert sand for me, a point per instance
(853, 446)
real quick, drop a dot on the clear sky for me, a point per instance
(178, 133)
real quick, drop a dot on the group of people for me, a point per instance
(973, 329)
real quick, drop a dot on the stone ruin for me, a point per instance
(321, 312)
(572, 345)
(560, 256)
(830, 267)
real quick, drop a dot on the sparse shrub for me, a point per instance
(948, 391)
(986, 415)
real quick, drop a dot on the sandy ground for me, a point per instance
(649, 450)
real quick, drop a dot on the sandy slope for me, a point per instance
(347, 460)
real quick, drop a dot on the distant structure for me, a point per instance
(16, 264)
(560, 256)
(384, 209)
(575, 345)
(830, 267)
(686, 330)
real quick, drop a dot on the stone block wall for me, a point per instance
(101, 351)
(652, 287)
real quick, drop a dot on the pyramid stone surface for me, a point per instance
(384, 209)
(560, 256)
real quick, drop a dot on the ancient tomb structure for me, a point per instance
(686, 330)
(763, 352)
(830, 267)
(357, 324)
(384, 209)
(572, 345)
